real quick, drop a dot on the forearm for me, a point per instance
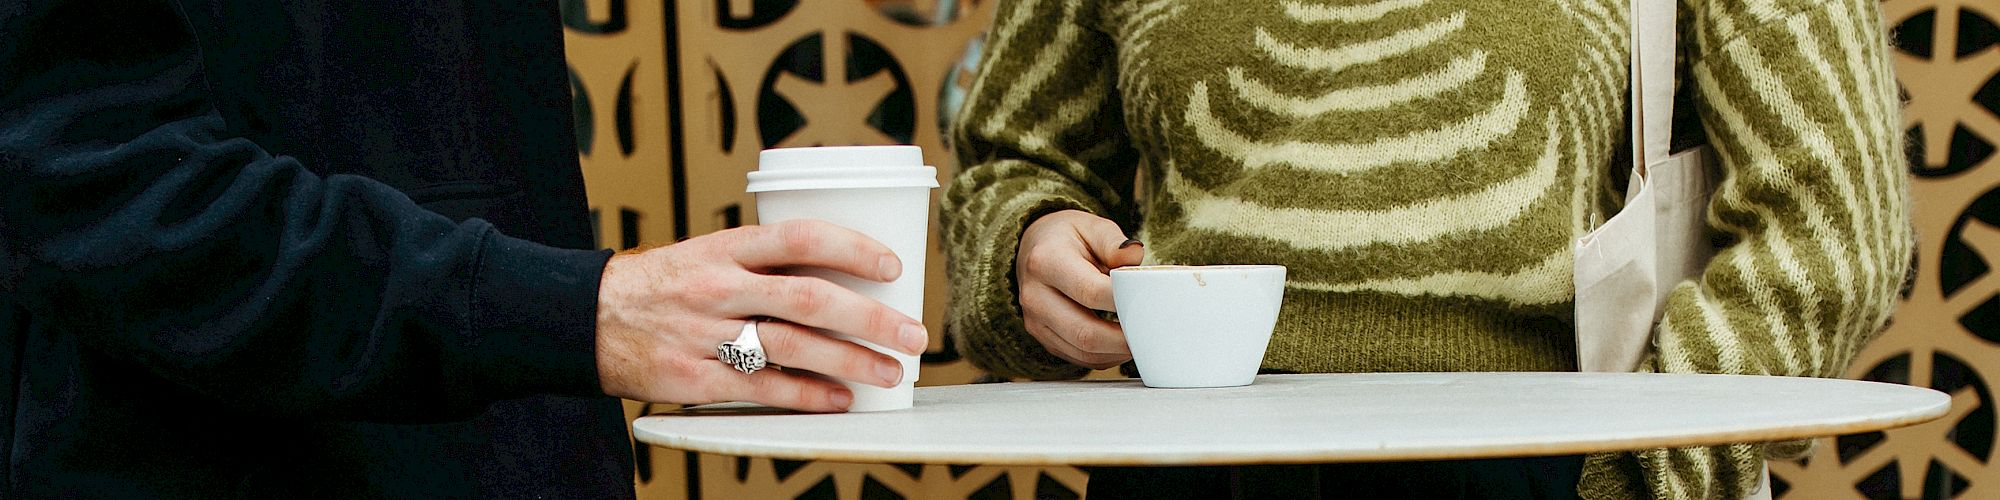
(1041, 132)
(983, 229)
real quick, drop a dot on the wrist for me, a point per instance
(613, 354)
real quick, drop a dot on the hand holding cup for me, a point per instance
(1061, 268)
(662, 312)
(883, 192)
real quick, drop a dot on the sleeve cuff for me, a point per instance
(533, 319)
(986, 309)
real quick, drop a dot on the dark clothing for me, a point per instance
(1533, 478)
(256, 248)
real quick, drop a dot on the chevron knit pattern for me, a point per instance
(1422, 167)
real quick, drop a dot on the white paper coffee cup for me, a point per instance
(883, 192)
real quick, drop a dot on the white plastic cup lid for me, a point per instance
(839, 157)
(841, 167)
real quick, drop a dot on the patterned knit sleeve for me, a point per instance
(1799, 103)
(1041, 132)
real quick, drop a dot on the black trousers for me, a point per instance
(1537, 478)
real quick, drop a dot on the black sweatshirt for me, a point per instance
(299, 248)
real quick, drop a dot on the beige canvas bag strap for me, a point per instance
(1652, 59)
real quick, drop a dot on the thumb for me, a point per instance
(1110, 247)
(1131, 252)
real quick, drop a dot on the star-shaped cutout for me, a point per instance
(835, 112)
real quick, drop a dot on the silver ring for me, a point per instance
(746, 353)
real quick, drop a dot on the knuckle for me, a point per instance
(1040, 331)
(1094, 341)
(659, 362)
(758, 389)
(855, 365)
(791, 342)
(808, 396)
(740, 390)
(778, 340)
(686, 371)
(1055, 343)
(808, 298)
(1038, 304)
(707, 290)
(865, 249)
(777, 390)
(882, 319)
(1028, 325)
(1037, 260)
(1086, 342)
(798, 237)
(765, 385)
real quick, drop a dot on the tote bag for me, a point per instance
(1626, 267)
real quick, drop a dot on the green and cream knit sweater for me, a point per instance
(1423, 167)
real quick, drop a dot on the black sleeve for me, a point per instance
(138, 225)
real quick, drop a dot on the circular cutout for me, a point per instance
(799, 105)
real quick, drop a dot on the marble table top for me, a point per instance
(1307, 419)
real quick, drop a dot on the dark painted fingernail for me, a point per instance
(1129, 243)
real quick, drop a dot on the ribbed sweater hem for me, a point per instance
(1340, 332)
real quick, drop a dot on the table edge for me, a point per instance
(1940, 406)
(1232, 458)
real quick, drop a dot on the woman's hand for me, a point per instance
(1061, 268)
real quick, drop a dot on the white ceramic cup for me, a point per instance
(883, 192)
(1198, 326)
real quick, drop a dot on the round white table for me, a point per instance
(1307, 419)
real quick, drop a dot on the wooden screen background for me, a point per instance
(674, 99)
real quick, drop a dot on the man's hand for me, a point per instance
(1061, 267)
(662, 312)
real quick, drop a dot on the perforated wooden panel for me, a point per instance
(675, 99)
